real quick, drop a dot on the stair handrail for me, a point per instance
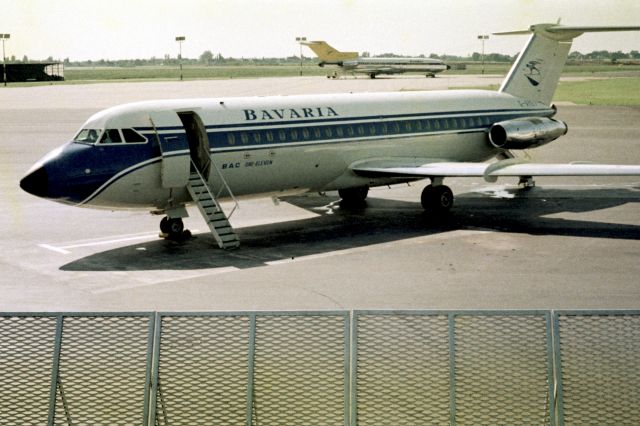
(226, 185)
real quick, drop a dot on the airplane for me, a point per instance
(164, 155)
(350, 61)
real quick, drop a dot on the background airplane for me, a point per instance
(350, 61)
(163, 155)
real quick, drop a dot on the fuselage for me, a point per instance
(270, 146)
(395, 65)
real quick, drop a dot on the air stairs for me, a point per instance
(202, 194)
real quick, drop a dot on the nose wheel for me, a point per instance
(437, 199)
(172, 228)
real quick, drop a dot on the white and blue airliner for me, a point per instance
(163, 155)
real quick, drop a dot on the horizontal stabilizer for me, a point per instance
(568, 32)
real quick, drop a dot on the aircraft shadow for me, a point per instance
(378, 221)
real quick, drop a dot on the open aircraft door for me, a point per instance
(176, 159)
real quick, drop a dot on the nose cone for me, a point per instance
(36, 182)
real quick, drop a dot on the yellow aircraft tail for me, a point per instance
(329, 55)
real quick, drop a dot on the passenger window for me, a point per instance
(269, 136)
(231, 139)
(294, 134)
(131, 136)
(339, 131)
(317, 133)
(244, 138)
(305, 133)
(282, 135)
(256, 137)
(372, 129)
(360, 130)
(111, 136)
(407, 126)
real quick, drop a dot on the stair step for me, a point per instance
(214, 215)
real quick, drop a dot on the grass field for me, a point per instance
(254, 71)
(610, 91)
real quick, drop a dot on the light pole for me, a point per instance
(300, 40)
(4, 58)
(180, 39)
(483, 38)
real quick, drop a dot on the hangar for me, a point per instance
(34, 71)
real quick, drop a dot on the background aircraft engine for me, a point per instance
(523, 133)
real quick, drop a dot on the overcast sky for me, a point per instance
(118, 29)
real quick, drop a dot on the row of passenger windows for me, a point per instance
(109, 136)
(354, 130)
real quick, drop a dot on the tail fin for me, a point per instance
(535, 74)
(328, 54)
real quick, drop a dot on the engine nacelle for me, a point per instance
(523, 133)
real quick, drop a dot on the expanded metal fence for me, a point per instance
(321, 368)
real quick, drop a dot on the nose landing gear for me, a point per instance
(173, 229)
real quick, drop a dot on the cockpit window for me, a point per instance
(87, 136)
(131, 136)
(111, 136)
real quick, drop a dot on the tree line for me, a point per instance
(208, 58)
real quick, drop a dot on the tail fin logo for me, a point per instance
(533, 73)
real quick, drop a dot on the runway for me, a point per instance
(566, 244)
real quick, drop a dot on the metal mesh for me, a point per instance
(600, 365)
(203, 370)
(300, 370)
(501, 370)
(26, 357)
(402, 369)
(102, 370)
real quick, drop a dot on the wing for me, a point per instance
(412, 168)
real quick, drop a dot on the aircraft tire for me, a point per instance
(354, 196)
(437, 199)
(172, 228)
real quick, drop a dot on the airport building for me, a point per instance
(35, 71)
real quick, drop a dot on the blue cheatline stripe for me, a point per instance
(421, 115)
(267, 135)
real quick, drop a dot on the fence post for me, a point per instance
(153, 364)
(452, 368)
(251, 361)
(54, 369)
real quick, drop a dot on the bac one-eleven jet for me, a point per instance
(163, 155)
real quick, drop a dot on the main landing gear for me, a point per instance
(437, 199)
(352, 197)
(173, 229)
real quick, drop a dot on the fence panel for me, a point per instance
(203, 369)
(401, 369)
(27, 346)
(301, 374)
(503, 368)
(599, 367)
(104, 369)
